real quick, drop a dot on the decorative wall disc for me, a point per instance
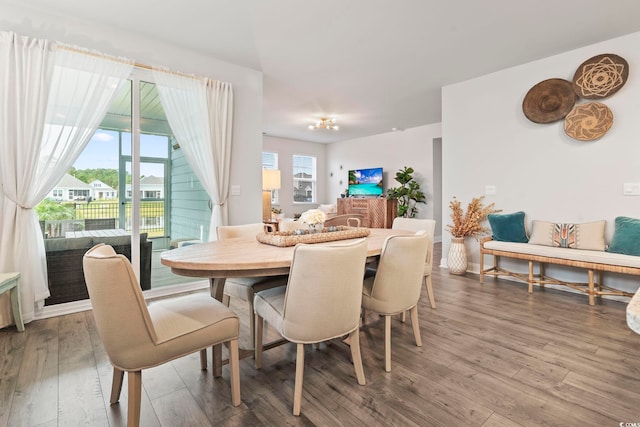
(549, 100)
(588, 121)
(600, 76)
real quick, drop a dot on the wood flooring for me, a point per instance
(492, 355)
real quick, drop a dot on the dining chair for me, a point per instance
(136, 336)
(245, 288)
(351, 220)
(428, 225)
(321, 302)
(396, 286)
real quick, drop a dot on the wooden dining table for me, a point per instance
(247, 257)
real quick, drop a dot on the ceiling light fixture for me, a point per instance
(325, 123)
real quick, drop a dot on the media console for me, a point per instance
(377, 212)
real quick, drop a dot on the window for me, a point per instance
(304, 179)
(270, 161)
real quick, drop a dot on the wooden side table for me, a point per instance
(9, 282)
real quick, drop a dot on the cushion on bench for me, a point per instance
(599, 257)
(508, 227)
(626, 237)
(588, 235)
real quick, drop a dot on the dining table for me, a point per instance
(247, 257)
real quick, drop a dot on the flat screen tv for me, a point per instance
(365, 182)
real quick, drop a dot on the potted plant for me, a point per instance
(465, 224)
(276, 214)
(408, 194)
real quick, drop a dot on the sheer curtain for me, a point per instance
(54, 97)
(200, 112)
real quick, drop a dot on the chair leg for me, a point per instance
(216, 360)
(354, 343)
(203, 359)
(134, 379)
(403, 316)
(416, 325)
(432, 299)
(234, 368)
(252, 322)
(116, 385)
(257, 352)
(387, 343)
(297, 393)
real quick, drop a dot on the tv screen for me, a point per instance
(365, 182)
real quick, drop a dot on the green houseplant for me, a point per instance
(408, 194)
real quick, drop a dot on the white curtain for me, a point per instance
(53, 99)
(200, 113)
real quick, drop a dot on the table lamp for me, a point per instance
(270, 182)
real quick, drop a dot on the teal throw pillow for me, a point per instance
(508, 227)
(626, 237)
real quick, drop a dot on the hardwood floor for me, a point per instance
(492, 355)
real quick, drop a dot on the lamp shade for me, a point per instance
(270, 179)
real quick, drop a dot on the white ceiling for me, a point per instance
(372, 64)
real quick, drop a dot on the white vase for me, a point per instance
(457, 258)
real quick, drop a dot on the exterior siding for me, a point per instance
(189, 201)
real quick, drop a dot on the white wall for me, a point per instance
(536, 168)
(247, 85)
(392, 151)
(286, 149)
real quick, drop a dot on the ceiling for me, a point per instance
(374, 65)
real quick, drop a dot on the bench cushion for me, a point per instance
(599, 257)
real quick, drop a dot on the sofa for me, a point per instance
(64, 264)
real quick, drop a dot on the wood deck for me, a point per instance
(492, 355)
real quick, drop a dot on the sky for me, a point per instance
(102, 152)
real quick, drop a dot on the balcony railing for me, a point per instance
(106, 215)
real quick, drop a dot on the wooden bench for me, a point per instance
(595, 262)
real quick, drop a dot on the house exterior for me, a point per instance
(70, 189)
(101, 191)
(303, 187)
(151, 187)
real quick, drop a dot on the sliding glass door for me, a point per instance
(130, 185)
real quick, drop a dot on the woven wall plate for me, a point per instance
(600, 76)
(549, 101)
(588, 121)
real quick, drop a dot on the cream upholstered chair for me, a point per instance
(245, 288)
(396, 285)
(137, 337)
(352, 220)
(321, 301)
(429, 226)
